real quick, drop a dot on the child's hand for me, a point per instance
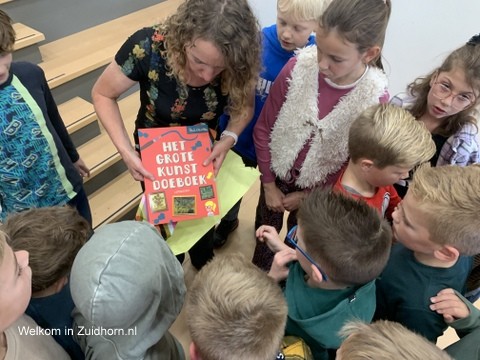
(279, 270)
(448, 304)
(292, 201)
(269, 236)
(82, 169)
(273, 197)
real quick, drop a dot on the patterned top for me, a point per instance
(36, 152)
(163, 101)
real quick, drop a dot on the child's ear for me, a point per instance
(370, 54)
(316, 275)
(366, 164)
(59, 284)
(447, 253)
(194, 352)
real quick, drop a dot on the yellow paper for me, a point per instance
(233, 181)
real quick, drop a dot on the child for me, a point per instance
(445, 101)
(384, 340)
(341, 245)
(301, 135)
(296, 19)
(128, 289)
(464, 317)
(39, 164)
(52, 236)
(15, 290)
(436, 226)
(234, 311)
(385, 143)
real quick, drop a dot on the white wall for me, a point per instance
(420, 34)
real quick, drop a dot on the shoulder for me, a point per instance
(26, 68)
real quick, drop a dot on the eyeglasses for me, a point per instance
(292, 239)
(443, 90)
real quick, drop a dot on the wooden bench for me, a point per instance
(113, 202)
(26, 36)
(100, 153)
(5, 1)
(77, 113)
(85, 51)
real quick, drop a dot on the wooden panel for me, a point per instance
(26, 36)
(100, 153)
(85, 51)
(112, 202)
(77, 113)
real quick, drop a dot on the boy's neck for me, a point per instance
(352, 179)
(431, 260)
(326, 285)
(3, 345)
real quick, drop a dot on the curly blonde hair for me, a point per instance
(232, 27)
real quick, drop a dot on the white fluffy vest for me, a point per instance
(297, 122)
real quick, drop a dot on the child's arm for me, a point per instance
(279, 269)
(449, 305)
(269, 236)
(457, 311)
(59, 126)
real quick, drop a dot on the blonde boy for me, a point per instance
(52, 236)
(385, 340)
(341, 246)
(437, 226)
(15, 290)
(235, 312)
(385, 142)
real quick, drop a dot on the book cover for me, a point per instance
(183, 188)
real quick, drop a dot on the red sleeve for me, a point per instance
(394, 201)
(266, 121)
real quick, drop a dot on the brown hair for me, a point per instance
(345, 236)
(360, 22)
(233, 28)
(52, 236)
(466, 58)
(235, 311)
(389, 136)
(386, 340)
(449, 198)
(7, 34)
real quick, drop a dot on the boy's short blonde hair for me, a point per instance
(449, 197)
(7, 34)
(386, 340)
(303, 10)
(346, 237)
(390, 136)
(235, 311)
(52, 236)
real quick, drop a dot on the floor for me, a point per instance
(242, 241)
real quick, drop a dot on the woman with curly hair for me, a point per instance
(203, 59)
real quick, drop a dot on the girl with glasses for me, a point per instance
(445, 101)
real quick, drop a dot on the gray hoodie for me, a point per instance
(126, 279)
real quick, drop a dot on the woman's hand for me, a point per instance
(219, 151)
(135, 166)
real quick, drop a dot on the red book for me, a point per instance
(183, 188)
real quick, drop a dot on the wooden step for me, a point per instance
(115, 200)
(100, 153)
(5, 1)
(77, 113)
(85, 51)
(26, 36)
